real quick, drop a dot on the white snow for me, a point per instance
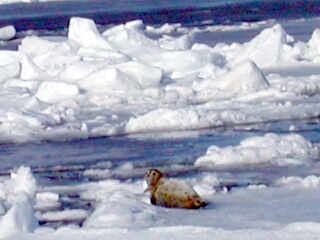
(284, 210)
(85, 33)
(271, 46)
(7, 33)
(267, 149)
(298, 182)
(163, 119)
(17, 195)
(63, 216)
(240, 80)
(122, 81)
(122, 210)
(54, 92)
(46, 201)
(70, 88)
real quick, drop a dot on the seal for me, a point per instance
(171, 193)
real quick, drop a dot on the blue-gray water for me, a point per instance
(65, 162)
(55, 15)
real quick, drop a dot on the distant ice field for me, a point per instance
(135, 78)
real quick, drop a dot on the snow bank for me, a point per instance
(10, 66)
(295, 231)
(162, 120)
(313, 46)
(19, 219)
(242, 79)
(107, 80)
(129, 37)
(119, 205)
(299, 182)
(122, 81)
(267, 149)
(122, 211)
(21, 181)
(271, 46)
(17, 194)
(144, 75)
(85, 33)
(54, 92)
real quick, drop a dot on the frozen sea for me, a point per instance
(224, 95)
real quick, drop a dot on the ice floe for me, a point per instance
(16, 197)
(7, 33)
(121, 209)
(267, 149)
(299, 182)
(123, 81)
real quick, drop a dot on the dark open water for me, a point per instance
(55, 15)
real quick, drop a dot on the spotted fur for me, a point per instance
(170, 193)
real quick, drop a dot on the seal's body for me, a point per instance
(171, 193)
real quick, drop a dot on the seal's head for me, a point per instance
(152, 178)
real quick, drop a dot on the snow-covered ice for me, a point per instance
(122, 81)
(16, 197)
(268, 149)
(287, 209)
(7, 33)
(134, 78)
